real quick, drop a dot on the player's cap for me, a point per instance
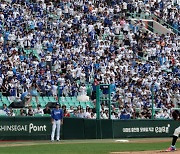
(57, 104)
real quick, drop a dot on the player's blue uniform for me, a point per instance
(57, 115)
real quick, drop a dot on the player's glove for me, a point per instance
(175, 114)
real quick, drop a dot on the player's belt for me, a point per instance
(56, 119)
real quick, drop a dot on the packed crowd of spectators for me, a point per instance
(77, 43)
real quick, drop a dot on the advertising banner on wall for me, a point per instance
(144, 128)
(25, 128)
(39, 128)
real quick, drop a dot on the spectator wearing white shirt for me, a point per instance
(38, 110)
(48, 60)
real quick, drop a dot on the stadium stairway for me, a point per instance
(152, 23)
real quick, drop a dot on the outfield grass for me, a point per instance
(82, 148)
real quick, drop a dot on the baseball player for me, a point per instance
(176, 116)
(56, 120)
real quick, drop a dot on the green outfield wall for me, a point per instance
(39, 128)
